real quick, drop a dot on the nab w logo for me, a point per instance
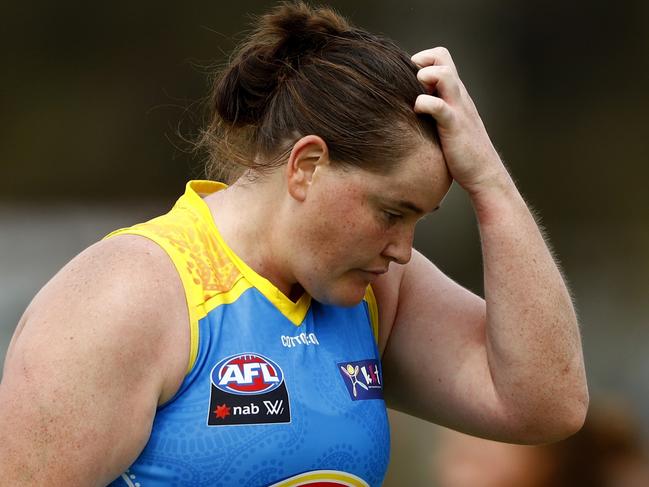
(248, 388)
(247, 374)
(274, 407)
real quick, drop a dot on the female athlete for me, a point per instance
(254, 335)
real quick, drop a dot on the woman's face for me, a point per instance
(355, 223)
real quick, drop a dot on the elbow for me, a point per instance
(580, 410)
(571, 409)
(557, 421)
(559, 408)
(571, 418)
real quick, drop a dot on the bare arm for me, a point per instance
(509, 367)
(99, 347)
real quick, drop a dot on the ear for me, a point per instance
(308, 154)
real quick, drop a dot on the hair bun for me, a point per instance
(299, 29)
(282, 40)
(308, 71)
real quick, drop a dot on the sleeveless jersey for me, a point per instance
(277, 393)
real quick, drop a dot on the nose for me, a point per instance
(399, 247)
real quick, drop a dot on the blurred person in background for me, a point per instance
(254, 334)
(608, 451)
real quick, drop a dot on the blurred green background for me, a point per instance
(96, 101)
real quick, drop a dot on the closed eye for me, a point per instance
(392, 216)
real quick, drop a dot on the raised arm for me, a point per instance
(96, 351)
(509, 367)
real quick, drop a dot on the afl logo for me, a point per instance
(323, 478)
(248, 373)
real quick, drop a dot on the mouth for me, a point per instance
(375, 272)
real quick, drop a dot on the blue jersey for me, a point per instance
(277, 393)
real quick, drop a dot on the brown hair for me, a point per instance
(308, 71)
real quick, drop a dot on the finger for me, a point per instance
(437, 56)
(435, 106)
(442, 81)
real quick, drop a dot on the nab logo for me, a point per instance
(248, 388)
(247, 374)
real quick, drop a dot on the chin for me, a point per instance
(346, 295)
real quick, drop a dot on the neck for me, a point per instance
(247, 215)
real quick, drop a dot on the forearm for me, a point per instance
(533, 343)
(527, 359)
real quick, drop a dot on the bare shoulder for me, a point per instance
(388, 290)
(416, 290)
(107, 335)
(129, 286)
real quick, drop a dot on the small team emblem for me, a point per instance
(362, 379)
(352, 372)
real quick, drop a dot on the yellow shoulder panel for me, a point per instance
(206, 271)
(374, 312)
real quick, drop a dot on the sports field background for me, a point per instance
(93, 98)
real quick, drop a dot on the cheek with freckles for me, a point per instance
(335, 223)
(341, 236)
